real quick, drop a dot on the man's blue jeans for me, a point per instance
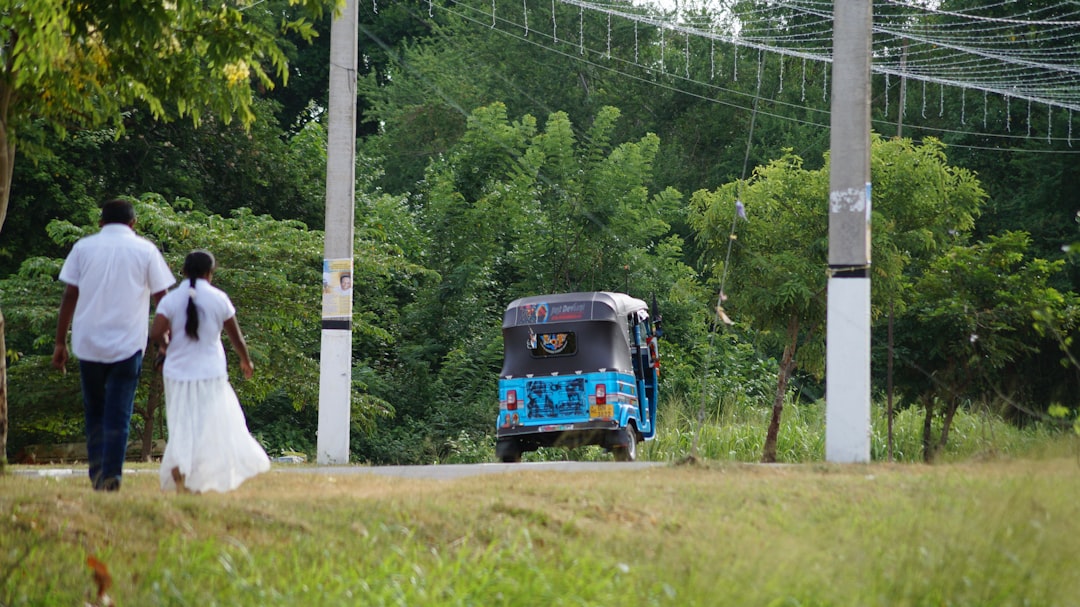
(108, 399)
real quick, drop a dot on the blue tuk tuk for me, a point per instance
(578, 369)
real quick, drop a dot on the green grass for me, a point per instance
(998, 530)
(734, 431)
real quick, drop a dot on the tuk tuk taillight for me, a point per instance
(511, 400)
(601, 394)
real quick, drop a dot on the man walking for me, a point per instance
(110, 278)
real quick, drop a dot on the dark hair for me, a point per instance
(197, 264)
(117, 210)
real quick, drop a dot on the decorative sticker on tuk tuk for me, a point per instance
(549, 398)
(532, 314)
(569, 311)
(553, 344)
(540, 313)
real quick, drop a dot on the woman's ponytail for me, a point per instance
(191, 327)
(198, 264)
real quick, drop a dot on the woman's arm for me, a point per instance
(236, 338)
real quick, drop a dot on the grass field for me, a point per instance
(993, 531)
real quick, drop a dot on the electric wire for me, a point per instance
(752, 103)
(682, 84)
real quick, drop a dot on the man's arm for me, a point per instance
(63, 323)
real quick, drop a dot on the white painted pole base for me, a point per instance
(847, 371)
(335, 397)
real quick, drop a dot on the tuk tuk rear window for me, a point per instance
(553, 344)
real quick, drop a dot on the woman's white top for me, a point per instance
(189, 359)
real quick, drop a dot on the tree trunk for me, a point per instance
(928, 420)
(3, 398)
(950, 411)
(7, 168)
(768, 455)
(889, 385)
(153, 406)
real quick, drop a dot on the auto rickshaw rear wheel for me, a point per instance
(508, 451)
(625, 447)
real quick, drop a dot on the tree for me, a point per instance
(435, 83)
(513, 209)
(517, 208)
(270, 270)
(1024, 154)
(217, 166)
(973, 315)
(776, 280)
(68, 65)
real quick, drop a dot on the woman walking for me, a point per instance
(209, 447)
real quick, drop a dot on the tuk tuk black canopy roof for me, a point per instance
(572, 307)
(597, 318)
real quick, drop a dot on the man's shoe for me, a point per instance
(110, 484)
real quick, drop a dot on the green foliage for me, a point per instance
(734, 429)
(217, 167)
(517, 176)
(72, 63)
(60, 183)
(271, 270)
(974, 316)
(775, 267)
(539, 211)
(471, 448)
(423, 100)
(44, 407)
(768, 268)
(268, 268)
(69, 64)
(281, 427)
(774, 271)
(513, 209)
(1057, 411)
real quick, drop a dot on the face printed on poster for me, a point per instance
(337, 289)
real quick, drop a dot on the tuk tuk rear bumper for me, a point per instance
(594, 424)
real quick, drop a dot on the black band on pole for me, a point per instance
(849, 271)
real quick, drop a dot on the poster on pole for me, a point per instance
(337, 289)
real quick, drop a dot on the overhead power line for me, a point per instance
(1014, 63)
(998, 48)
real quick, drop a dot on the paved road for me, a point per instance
(449, 471)
(437, 472)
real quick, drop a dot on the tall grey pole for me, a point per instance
(335, 366)
(847, 364)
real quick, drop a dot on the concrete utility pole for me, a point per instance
(847, 364)
(335, 366)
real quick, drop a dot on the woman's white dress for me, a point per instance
(208, 436)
